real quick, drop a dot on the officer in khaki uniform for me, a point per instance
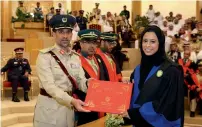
(179, 42)
(195, 44)
(55, 104)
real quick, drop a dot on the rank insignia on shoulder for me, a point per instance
(159, 73)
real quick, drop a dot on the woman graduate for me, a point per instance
(157, 99)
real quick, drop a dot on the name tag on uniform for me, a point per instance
(74, 65)
(15, 62)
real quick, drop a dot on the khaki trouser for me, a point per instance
(49, 113)
(193, 105)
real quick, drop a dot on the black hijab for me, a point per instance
(147, 62)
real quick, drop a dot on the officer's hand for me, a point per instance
(78, 104)
(26, 74)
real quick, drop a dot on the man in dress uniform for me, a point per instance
(81, 21)
(59, 70)
(179, 42)
(96, 11)
(21, 7)
(125, 12)
(38, 13)
(108, 42)
(18, 69)
(92, 65)
(195, 44)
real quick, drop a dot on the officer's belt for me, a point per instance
(44, 93)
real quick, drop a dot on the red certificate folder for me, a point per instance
(106, 96)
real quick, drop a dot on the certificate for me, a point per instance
(110, 97)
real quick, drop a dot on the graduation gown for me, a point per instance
(160, 101)
(90, 73)
(111, 74)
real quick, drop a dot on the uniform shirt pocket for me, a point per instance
(57, 71)
(74, 68)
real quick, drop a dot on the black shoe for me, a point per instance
(26, 97)
(200, 111)
(192, 114)
(15, 98)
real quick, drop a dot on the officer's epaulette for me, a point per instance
(46, 49)
(75, 53)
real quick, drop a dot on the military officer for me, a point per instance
(108, 42)
(96, 11)
(195, 44)
(38, 13)
(18, 69)
(179, 42)
(21, 7)
(125, 12)
(81, 21)
(55, 105)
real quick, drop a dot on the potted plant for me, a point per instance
(113, 120)
(140, 23)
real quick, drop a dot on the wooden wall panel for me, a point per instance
(76, 5)
(7, 31)
(136, 9)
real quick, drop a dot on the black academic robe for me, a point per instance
(160, 102)
(102, 75)
(83, 117)
(105, 71)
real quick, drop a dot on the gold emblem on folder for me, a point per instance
(107, 99)
(126, 88)
(91, 104)
(95, 85)
(122, 108)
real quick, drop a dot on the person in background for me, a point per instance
(62, 10)
(108, 42)
(51, 13)
(18, 69)
(38, 13)
(21, 7)
(174, 54)
(96, 12)
(125, 12)
(81, 20)
(150, 13)
(198, 99)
